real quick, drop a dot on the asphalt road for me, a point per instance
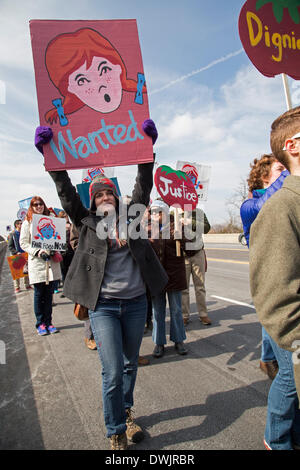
(212, 399)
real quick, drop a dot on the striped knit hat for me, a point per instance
(99, 183)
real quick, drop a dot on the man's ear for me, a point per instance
(291, 146)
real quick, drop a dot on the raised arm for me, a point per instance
(67, 193)
(144, 179)
(69, 198)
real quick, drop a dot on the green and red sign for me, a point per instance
(175, 187)
(270, 33)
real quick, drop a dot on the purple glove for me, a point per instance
(150, 129)
(43, 135)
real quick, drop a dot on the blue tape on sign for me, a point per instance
(60, 111)
(139, 87)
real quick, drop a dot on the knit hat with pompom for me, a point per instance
(99, 183)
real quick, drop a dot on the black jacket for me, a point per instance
(85, 275)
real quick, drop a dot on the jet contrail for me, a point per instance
(195, 72)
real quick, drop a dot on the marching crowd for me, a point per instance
(125, 281)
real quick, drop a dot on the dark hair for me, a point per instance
(17, 222)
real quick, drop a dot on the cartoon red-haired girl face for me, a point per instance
(46, 229)
(87, 70)
(98, 86)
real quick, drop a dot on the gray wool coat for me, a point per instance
(83, 282)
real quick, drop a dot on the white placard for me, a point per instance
(199, 174)
(89, 174)
(48, 233)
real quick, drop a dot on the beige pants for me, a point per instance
(195, 265)
(26, 282)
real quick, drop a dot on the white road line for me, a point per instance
(233, 301)
(222, 260)
(225, 249)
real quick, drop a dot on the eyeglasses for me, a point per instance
(296, 136)
(36, 204)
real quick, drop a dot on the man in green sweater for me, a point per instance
(275, 284)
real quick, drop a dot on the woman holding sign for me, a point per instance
(37, 270)
(164, 244)
(108, 275)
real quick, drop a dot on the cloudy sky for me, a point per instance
(208, 101)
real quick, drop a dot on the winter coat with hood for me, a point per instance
(85, 275)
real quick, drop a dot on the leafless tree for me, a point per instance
(233, 203)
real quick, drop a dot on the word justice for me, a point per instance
(178, 192)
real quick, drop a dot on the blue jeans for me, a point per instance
(267, 353)
(118, 328)
(42, 303)
(177, 330)
(283, 415)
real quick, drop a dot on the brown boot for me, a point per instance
(90, 343)
(118, 441)
(270, 368)
(205, 320)
(142, 361)
(134, 432)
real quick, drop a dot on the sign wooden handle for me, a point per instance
(286, 91)
(47, 273)
(177, 230)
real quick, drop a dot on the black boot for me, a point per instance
(180, 348)
(158, 350)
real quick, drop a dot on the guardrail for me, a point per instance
(221, 238)
(3, 248)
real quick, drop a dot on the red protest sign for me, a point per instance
(175, 187)
(91, 90)
(270, 33)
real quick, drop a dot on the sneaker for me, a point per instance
(17, 290)
(134, 432)
(28, 288)
(267, 445)
(270, 368)
(52, 329)
(42, 330)
(56, 291)
(205, 320)
(118, 441)
(158, 351)
(90, 343)
(180, 349)
(186, 321)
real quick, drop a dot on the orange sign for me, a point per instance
(16, 264)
